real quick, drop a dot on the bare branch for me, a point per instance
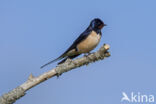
(12, 96)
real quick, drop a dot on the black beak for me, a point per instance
(105, 24)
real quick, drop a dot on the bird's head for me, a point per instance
(97, 23)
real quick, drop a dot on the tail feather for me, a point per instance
(63, 61)
(59, 58)
(70, 57)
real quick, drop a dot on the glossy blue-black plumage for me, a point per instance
(95, 25)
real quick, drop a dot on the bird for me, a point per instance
(86, 42)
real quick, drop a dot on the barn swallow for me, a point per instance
(86, 42)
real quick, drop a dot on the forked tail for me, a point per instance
(59, 58)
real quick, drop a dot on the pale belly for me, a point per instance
(89, 43)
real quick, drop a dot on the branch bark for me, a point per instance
(17, 93)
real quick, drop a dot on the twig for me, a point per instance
(12, 96)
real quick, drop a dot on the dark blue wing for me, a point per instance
(73, 46)
(83, 36)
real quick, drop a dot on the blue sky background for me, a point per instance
(32, 32)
